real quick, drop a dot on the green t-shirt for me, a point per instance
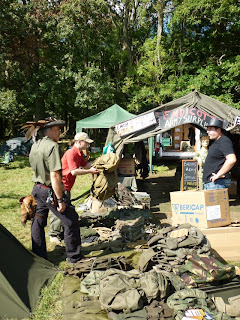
(44, 158)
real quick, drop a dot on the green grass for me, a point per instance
(16, 182)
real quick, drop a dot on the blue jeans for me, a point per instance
(218, 184)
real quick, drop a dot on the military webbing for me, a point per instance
(172, 251)
(181, 300)
(85, 266)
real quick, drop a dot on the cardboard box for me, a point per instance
(225, 242)
(126, 167)
(203, 209)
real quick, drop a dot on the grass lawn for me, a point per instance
(16, 182)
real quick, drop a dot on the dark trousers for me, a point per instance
(69, 219)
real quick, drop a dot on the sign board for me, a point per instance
(237, 121)
(136, 124)
(172, 118)
(189, 174)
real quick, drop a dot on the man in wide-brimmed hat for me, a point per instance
(48, 191)
(220, 159)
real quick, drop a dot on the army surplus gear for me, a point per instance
(154, 285)
(90, 284)
(118, 291)
(172, 246)
(125, 197)
(181, 300)
(83, 267)
(130, 230)
(105, 182)
(127, 291)
(202, 269)
(232, 308)
(159, 310)
(136, 315)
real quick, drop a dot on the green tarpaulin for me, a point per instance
(22, 275)
(104, 119)
(195, 108)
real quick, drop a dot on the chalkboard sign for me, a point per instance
(189, 174)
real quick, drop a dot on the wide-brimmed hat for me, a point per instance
(215, 123)
(53, 122)
(32, 127)
(82, 136)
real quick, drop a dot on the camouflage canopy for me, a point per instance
(195, 108)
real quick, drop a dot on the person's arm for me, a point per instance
(87, 169)
(56, 181)
(227, 166)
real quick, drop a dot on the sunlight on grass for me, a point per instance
(16, 182)
(50, 306)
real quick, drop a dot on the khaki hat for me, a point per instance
(82, 136)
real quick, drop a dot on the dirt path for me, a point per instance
(159, 186)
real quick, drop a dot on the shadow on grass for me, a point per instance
(159, 188)
(19, 162)
(10, 196)
(57, 256)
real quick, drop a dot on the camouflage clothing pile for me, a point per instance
(121, 227)
(176, 258)
(201, 269)
(183, 254)
(171, 246)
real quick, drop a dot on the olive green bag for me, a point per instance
(128, 291)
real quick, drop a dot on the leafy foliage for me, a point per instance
(74, 58)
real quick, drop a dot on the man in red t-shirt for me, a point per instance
(73, 164)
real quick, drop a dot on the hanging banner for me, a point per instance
(237, 121)
(136, 124)
(173, 118)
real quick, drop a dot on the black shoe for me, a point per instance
(73, 263)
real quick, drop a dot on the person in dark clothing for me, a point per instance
(48, 192)
(140, 156)
(220, 159)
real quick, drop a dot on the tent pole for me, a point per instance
(150, 148)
